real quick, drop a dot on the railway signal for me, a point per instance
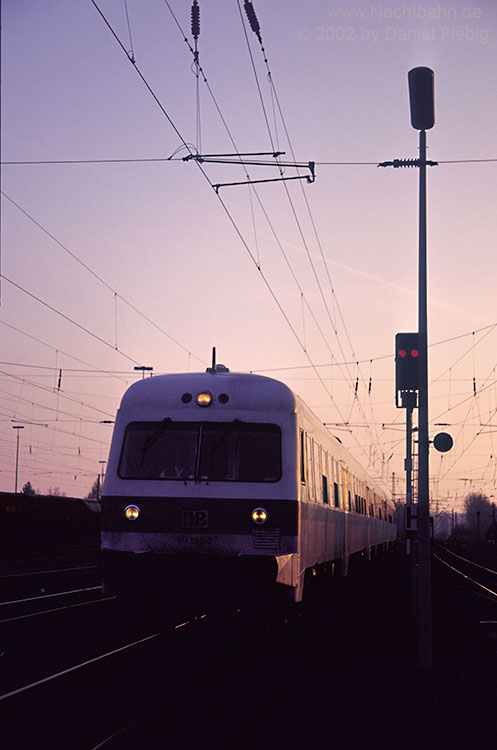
(443, 442)
(406, 363)
(421, 97)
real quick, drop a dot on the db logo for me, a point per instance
(195, 519)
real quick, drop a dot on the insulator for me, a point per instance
(252, 18)
(195, 20)
(406, 162)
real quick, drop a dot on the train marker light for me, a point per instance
(132, 512)
(204, 398)
(259, 515)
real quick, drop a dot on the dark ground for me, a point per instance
(343, 675)
(340, 673)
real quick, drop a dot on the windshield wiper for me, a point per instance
(216, 446)
(154, 436)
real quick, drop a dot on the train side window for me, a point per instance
(317, 470)
(337, 498)
(310, 469)
(302, 457)
(326, 499)
(350, 502)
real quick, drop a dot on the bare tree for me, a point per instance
(55, 492)
(94, 492)
(478, 512)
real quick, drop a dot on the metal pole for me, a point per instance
(17, 460)
(17, 427)
(424, 543)
(409, 456)
(101, 483)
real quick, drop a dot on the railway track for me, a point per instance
(37, 586)
(465, 616)
(99, 677)
(482, 578)
(67, 654)
(120, 686)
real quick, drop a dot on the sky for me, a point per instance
(130, 257)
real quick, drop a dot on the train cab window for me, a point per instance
(211, 451)
(159, 450)
(240, 452)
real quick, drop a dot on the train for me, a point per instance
(227, 482)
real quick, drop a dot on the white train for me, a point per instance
(221, 479)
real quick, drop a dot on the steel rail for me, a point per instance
(493, 593)
(50, 596)
(74, 668)
(58, 609)
(488, 570)
(44, 572)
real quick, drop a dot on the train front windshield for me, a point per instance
(202, 451)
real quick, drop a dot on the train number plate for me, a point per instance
(195, 519)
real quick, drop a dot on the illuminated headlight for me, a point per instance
(259, 515)
(132, 512)
(204, 398)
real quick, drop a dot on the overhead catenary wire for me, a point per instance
(47, 389)
(334, 313)
(256, 28)
(244, 162)
(223, 204)
(195, 14)
(164, 159)
(68, 319)
(102, 281)
(225, 208)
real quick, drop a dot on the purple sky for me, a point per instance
(108, 244)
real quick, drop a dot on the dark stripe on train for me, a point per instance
(197, 515)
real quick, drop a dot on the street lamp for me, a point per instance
(143, 369)
(17, 427)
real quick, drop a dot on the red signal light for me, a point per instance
(402, 353)
(414, 353)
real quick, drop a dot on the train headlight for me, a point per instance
(204, 398)
(259, 515)
(132, 512)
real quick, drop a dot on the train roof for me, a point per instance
(245, 391)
